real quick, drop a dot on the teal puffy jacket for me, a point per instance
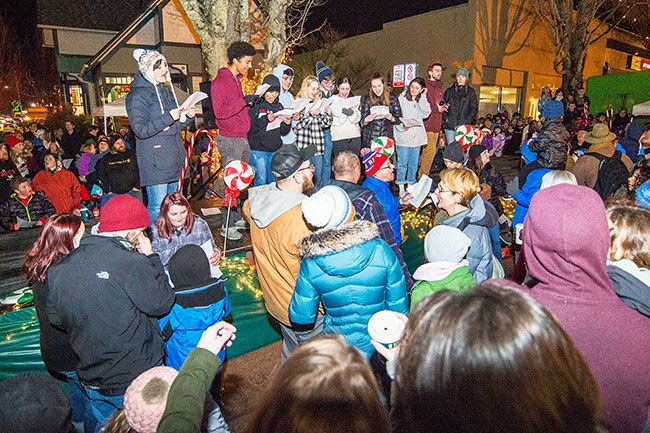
(354, 273)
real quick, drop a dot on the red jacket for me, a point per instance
(433, 123)
(230, 110)
(61, 188)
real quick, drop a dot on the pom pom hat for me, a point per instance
(329, 207)
(146, 60)
(145, 399)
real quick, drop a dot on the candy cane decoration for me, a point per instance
(188, 154)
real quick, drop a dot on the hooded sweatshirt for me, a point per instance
(630, 145)
(286, 99)
(569, 261)
(230, 110)
(631, 283)
(477, 220)
(436, 276)
(277, 229)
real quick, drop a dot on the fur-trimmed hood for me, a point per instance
(332, 240)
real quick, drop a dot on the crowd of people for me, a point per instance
(140, 333)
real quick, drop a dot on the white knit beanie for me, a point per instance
(446, 244)
(146, 60)
(330, 206)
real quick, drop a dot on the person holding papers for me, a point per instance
(157, 122)
(310, 126)
(267, 129)
(380, 111)
(410, 134)
(346, 133)
(176, 226)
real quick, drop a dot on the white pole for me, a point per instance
(104, 110)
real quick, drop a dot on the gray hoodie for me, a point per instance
(286, 99)
(477, 219)
(268, 202)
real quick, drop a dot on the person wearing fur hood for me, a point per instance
(157, 122)
(348, 268)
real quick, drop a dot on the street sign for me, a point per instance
(398, 75)
(411, 71)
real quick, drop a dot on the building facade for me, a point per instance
(508, 50)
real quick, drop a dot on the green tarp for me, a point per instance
(19, 330)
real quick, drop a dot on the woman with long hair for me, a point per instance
(410, 134)
(346, 134)
(324, 386)
(310, 127)
(60, 235)
(176, 226)
(379, 125)
(491, 360)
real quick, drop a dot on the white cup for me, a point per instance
(386, 328)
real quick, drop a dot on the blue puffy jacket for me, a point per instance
(528, 190)
(159, 146)
(354, 273)
(195, 310)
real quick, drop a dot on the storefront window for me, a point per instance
(496, 99)
(77, 99)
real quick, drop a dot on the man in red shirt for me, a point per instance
(433, 123)
(233, 121)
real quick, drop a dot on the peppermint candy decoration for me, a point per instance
(238, 175)
(466, 134)
(478, 136)
(384, 145)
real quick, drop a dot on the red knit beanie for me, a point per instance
(123, 212)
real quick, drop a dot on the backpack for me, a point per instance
(612, 174)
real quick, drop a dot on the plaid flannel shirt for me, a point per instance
(368, 208)
(309, 131)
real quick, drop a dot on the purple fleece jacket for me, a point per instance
(566, 239)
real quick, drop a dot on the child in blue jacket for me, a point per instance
(201, 301)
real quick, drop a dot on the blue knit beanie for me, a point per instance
(643, 194)
(322, 70)
(554, 109)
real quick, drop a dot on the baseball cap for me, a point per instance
(288, 159)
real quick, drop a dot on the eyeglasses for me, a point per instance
(440, 190)
(309, 167)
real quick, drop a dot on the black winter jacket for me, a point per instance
(159, 145)
(7, 170)
(463, 106)
(118, 172)
(379, 127)
(38, 207)
(56, 349)
(108, 298)
(258, 137)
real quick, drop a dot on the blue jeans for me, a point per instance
(317, 160)
(261, 162)
(407, 164)
(81, 412)
(496, 241)
(326, 171)
(155, 196)
(103, 406)
(449, 134)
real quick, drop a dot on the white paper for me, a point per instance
(351, 102)
(380, 111)
(299, 104)
(215, 272)
(192, 100)
(66, 163)
(263, 88)
(24, 224)
(207, 211)
(410, 122)
(274, 125)
(420, 190)
(287, 112)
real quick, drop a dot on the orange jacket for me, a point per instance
(61, 188)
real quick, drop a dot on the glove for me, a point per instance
(250, 100)
(347, 111)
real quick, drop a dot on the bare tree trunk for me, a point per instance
(275, 42)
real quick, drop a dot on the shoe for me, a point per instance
(241, 224)
(233, 234)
